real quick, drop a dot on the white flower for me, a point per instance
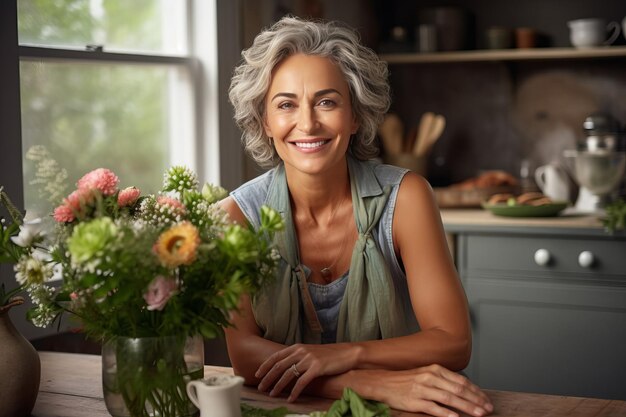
(29, 230)
(30, 270)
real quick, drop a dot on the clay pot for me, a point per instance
(20, 369)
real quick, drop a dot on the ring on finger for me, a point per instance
(295, 370)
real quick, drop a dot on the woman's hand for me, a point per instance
(302, 363)
(430, 390)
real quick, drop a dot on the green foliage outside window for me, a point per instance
(95, 114)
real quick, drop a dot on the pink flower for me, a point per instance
(127, 196)
(174, 204)
(72, 205)
(160, 290)
(79, 198)
(101, 179)
(63, 214)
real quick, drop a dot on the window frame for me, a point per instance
(218, 155)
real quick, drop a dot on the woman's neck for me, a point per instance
(316, 196)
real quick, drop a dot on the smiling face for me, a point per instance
(308, 113)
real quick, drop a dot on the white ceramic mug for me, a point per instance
(553, 182)
(217, 395)
(587, 33)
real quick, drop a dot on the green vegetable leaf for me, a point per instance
(615, 216)
(250, 411)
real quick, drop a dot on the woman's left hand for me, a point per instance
(303, 363)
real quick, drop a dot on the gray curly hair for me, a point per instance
(365, 73)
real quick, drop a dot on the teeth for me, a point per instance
(310, 144)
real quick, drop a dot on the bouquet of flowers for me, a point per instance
(136, 266)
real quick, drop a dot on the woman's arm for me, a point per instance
(426, 389)
(437, 297)
(327, 369)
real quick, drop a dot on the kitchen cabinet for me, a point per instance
(548, 307)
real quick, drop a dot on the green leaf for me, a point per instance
(615, 219)
(250, 411)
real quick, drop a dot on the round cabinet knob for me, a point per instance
(542, 257)
(586, 259)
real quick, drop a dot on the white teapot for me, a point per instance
(217, 395)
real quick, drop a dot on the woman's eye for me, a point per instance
(326, 103)
(285, 106)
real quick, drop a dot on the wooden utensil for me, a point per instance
(422, 133)
(436, 129)
(391, 131)
(409, 141)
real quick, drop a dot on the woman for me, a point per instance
(363, 255)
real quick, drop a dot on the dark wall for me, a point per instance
(499, 113)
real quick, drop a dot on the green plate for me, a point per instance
(546, 210)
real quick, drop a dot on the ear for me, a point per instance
(354, 126)
(266, 127)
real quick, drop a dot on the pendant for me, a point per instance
(326, 273)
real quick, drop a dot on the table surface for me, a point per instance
(71, 386)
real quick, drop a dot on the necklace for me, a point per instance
(327, 272)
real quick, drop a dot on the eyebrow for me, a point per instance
(317, 93)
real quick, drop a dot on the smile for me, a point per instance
(311, 145)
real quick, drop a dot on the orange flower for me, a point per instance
(177, 245)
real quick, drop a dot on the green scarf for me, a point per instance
(370, 308)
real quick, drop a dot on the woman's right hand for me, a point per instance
(430, 389)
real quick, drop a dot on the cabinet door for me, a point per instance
(548, 332)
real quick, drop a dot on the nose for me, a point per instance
(307, 120)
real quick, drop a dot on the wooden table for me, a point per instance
(71, 386)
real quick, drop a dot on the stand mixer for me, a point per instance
(599, 163)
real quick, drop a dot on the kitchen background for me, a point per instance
(499, 112)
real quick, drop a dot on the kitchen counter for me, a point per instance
(549, 292)
(569, 222)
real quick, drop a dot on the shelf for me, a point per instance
(505, 55)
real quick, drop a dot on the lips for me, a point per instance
(311, 145)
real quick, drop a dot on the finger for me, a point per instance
(463, 391)
(271, 361)
(432, 408)
(285, 379)
(270, 377)
(458, 379)
(301, 383)
(448, 398)
(276, 372)
(464, 382)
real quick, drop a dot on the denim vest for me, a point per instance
(252, 195)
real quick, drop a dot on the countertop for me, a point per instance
(568, 222)
(71, 386)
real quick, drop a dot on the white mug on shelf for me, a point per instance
(217, 395)
(553, 182)
(587, 33)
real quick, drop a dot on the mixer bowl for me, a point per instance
(600, 172)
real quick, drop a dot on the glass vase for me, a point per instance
(147, 376)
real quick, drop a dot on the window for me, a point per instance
(108, 83)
